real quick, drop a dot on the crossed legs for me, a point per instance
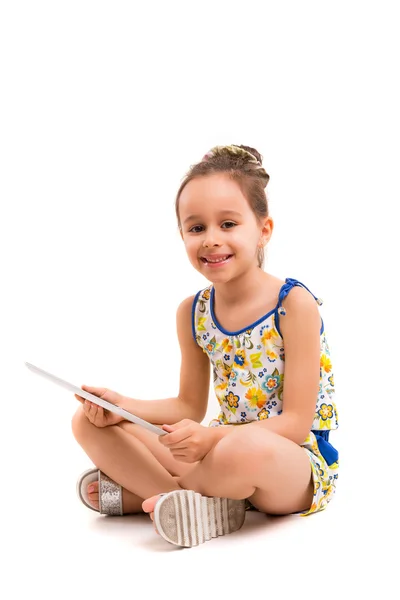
(271, 471)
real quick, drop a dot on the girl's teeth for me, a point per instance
(218, 259)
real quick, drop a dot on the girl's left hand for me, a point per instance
(188, 441)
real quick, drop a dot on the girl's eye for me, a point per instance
(199, 228)
(229, 224)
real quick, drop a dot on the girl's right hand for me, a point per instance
(97, 415)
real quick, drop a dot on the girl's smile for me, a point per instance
(213, 261)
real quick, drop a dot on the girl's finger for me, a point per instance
(99, 418)
(97, 391)
(86, 410)
(82, 400)
(90, 413)
(93, 409)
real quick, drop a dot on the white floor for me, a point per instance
(54, 547)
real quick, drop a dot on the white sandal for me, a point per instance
(186, 518)
(110, 492)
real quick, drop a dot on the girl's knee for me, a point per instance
(243, 445)
(79, 423)
(226, 453)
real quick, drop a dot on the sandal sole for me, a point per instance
(186, 518)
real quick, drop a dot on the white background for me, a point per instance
(104, 106)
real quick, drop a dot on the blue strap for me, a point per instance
(330, 454)
(287, 286)
(285, 289)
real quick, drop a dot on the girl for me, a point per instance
(269, 448)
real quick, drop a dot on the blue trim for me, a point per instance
(283, 292)
(193, 311)
(277, 322)
(240, 330)
(330, 454)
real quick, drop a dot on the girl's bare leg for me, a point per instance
(132, 457)
(271, 471)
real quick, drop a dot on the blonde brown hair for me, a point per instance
(243, 164)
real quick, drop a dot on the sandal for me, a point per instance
(110, 493)
(186, 518)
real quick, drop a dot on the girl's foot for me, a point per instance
(148, 507)
(186, 518)
(131, 504)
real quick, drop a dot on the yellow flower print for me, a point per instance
(326, 411)
(324, 415)
(219, 390)
(325, 363)
(256, 398)
(206, 294)
(232, 400)
(263, 414)
(226, 345)
(315, 448)
(240, 359)
(271, 355)
(268, 335)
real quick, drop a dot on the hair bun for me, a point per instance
(249, 155)
(241, 155)
(254, 153)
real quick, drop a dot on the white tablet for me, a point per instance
(96, 400)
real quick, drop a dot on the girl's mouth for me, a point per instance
(216, 260)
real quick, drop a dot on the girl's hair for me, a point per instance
(242, 164)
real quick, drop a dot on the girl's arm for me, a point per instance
(300, 329)
(192, 399)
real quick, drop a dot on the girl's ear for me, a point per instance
(266, 231)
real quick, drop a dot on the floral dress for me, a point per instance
(249, 370)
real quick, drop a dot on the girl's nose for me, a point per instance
(211, 239)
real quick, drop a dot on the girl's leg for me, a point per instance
(132, 457)
(271, 471)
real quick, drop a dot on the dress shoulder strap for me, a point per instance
(285, 289)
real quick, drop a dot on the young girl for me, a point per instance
(269, 448)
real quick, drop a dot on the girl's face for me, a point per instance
(220, 231)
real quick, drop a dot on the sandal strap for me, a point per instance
(110, 496)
